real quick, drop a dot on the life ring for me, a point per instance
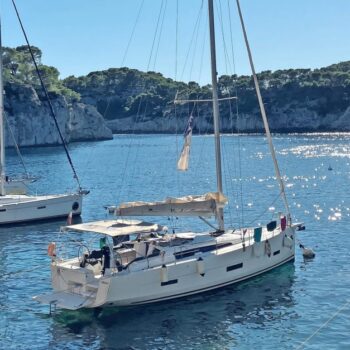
(268, 248)
(51, 249)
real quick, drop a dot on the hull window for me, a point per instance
(169, 282)
(276, 252)
(234, 267)
(42, 207)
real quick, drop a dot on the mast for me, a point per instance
(263, 114)
(220, 213)
(2, 133)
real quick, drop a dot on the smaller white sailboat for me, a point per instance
(140, 262)
(19, 208)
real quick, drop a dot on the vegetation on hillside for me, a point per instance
(123, 92)
(19, 68)
(117, 92)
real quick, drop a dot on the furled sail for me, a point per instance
(115, 228)
(182, 163)
(202, 205)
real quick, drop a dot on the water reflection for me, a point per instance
(210, 320)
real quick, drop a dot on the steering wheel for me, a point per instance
(82, 253)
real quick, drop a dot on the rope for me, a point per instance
(16, 146)
(132, 32)
(237, 116)
(47, 97)
(302, 345)
(155, 35)
(195, 30)
(22, 271)
(263, 213)
(159, 36)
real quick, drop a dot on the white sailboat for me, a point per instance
(18, 208)
(140, 262)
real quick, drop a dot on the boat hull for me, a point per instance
(221, 269)
(20, 209)
(148, 283)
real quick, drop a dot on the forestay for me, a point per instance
(194, 205)
(115, 228)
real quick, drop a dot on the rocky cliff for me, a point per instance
(296, 100)
(127, 100)
(32, 125)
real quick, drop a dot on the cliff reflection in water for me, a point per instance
(209, 320)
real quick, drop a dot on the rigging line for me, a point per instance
(155, 35)
(127, 49)
(226, 175)
(264, 117)
(219, 11)
(129, 147)
(16, 146)
(203, 47)
(205, 131)
(176, 37)
(175, 107)
(10, 274)
(138, 114)
(302, 345)
(237, 117)
(227, 87)
(179, 101)
(192, 37)
(137, 119)
(143, 116)
(196, 41)
(53, 114)
(204, 141)
(132, 32)
(161, 14)
(265, 211)
(159, 35)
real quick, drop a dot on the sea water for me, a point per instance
(305, 304)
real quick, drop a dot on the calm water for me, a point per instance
(278, 310)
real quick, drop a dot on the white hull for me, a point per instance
(146, 281)
(21, 208)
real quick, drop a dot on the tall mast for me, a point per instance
(2, 133)
(263, 114)
(220, 214)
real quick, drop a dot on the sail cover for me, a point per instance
(202, 205)
(115, 228)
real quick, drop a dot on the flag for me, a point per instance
(182, 163)
(70, 218)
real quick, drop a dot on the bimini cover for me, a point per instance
(203, 205)
(115, 228)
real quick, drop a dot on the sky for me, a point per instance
(81, 36)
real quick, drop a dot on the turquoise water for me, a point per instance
(279, 310)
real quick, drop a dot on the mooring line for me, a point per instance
(323, 325)
(9, 274)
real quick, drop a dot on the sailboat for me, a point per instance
(141, 262)
(20, 208)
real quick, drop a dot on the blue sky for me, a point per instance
(80, 36)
